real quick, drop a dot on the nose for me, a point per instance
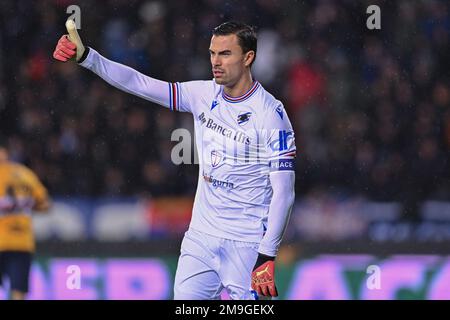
(215, 60)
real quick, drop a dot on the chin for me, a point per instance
(220, 81)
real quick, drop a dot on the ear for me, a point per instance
(249, 57)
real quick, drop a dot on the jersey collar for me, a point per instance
(243, 97)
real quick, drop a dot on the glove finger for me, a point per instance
(67, 43)
(63, 38)
(63, 54)
(66, 50)
(258, 290)
(59, 57)
(273, 290)
(264, 290)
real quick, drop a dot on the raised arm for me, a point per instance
(120, 76)
(126, 78)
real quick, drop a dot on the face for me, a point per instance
(228, 61)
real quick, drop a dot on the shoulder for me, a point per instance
(23, 171)
(272, 107)
(201, 85)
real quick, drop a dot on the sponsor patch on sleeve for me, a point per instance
(282, 165)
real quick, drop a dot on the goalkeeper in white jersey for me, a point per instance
(246, 179)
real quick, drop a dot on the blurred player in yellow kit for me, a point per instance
(21, 193)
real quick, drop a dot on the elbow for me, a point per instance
(285, 196)
(291, 198)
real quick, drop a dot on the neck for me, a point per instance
(242, 86)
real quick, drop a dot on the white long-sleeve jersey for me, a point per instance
(241, 142)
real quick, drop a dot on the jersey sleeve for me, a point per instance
(184, 96)
(279, 140)
(173, 95)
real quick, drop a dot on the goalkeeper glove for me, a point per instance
(65, 49)
(70, 46)
(263, 276)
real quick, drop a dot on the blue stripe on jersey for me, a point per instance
(280, 139)
(170, 97)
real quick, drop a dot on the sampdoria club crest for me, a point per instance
(216, 157)
(243, 118)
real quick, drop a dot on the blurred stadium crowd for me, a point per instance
(371, 108)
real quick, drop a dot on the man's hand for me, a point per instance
(65, 49)
(70, 45)
(263, 276)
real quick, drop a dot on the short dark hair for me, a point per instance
(245, 33)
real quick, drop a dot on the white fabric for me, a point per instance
(283, 186)
(127, 79)
(209, 264)
(239, 142)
